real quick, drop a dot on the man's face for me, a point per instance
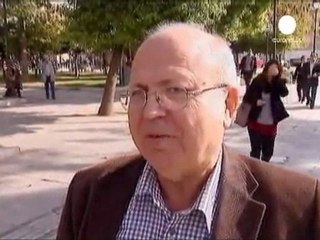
(313, 57)
(179, 142)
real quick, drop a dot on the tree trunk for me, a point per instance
(10, 89)
(23, 58)
(110, 85)
(5, 39)
(3, 63)
(106, 58)
(76, 66)
(104, 63)
(93, 62)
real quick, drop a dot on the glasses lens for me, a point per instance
(137, 98)
(174, 98)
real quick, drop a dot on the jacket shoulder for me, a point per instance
(290, 196)
(83, 186)
(94, 173)
(85, 180)
(286, 185)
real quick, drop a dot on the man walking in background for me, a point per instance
(311, 72)
(48, 77)
(301, 81)
(248, 67)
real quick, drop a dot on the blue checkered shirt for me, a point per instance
(147, 216)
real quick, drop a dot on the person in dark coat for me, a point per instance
(267, 110)
(248, 67)
(301, 81)
(13, 80)
(311, 72)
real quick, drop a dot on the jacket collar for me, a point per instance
(239, 215)
(109, 198)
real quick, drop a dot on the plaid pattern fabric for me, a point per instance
(147, 216)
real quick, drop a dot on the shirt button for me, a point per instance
(172, 231)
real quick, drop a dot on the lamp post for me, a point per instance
(5, 38)
(274, 29)
(316, 6)
(5, 24)
(268, 32)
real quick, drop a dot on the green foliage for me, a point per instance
(257, 42)
(102, 24)
(40, 22)
(303, 13)
(244, 19)
(251, 31)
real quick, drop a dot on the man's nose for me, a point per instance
(153, 109)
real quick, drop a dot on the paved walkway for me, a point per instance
(43, 143)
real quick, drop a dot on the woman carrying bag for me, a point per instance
(266, 109)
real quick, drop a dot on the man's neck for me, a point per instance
(181, 195)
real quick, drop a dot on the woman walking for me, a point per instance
(267, 110)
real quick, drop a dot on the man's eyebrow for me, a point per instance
(167, 81)
(161, 83)
(140, 85)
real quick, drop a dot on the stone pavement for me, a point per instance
(43, 143)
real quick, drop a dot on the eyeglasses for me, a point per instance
(171, 98)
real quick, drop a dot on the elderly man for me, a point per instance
(48, 76)
(183, 183)
(311, 72)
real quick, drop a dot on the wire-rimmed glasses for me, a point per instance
(171, 98)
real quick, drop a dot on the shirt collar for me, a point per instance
(148, 185)
(207, 198)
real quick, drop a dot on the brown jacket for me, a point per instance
(258, 201)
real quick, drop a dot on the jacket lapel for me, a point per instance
(109, 201)
(239, 216)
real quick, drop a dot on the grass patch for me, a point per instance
(85, 80)
(83, 77)
(78, 83)
(96, 80)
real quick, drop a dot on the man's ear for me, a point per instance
(232, 103)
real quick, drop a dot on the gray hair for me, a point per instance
(221, 57)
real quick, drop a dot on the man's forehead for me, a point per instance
(163, 75)
(158, 56)
(162, 50)
(180, 45)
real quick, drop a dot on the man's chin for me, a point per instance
(162, 154)
(166, 150)
(162, 163)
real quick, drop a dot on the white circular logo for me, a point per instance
(287, 24)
